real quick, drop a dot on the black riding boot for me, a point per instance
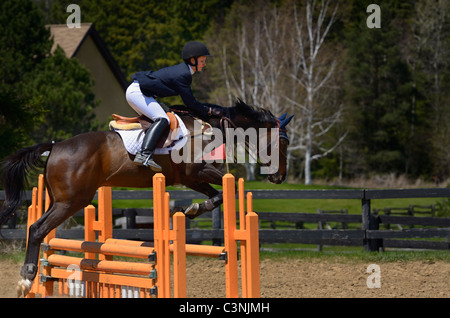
(151, 138)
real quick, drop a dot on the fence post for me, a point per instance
(243, 228)
(366, 220)
(378, 243)
(161, 234)
(216, 224)
(104, 223)
(46, 270)
(89, 232)
(229, 224)
(179, 255)
(252, 250)
(369, 222)
(130, 215)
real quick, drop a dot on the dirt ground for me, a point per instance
(298, 278)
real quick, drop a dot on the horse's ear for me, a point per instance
(284, 122)
(282, 117)
(239, 101)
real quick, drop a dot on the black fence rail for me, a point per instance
(371, 228)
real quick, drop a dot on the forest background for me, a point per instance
(370, 93)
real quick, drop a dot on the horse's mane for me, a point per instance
(257, 113)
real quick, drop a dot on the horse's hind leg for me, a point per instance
(74, 170)
(57, 213)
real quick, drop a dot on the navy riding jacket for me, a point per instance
(170, 81)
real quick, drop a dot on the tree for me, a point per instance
(312, 69)
(270, 59)
(143, 35)
(370, 100)
(43, 97)
(250, 46)
(24, 43)
(427, 54)
(64, 88)
(378, 87)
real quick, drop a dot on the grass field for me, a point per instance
(353, 206)
(298, 205)
(16, 253)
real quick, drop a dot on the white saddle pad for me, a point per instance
(132, 139)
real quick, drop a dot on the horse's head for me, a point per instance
(272, 138)
(283, 142)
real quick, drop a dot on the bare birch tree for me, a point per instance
(255, 74)
(312, 71)
(276, 61)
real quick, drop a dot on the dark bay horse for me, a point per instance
(77, 167)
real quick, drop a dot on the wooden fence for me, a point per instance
(370, 230)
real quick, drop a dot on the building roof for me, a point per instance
(71, 39)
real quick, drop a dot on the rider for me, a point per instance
(168, 81)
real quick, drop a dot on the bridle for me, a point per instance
(226, 122)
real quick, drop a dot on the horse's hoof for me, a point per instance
(175, 210)
(24, 287)
(192, 210)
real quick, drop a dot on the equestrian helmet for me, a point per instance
(194, 49)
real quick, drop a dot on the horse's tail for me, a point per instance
(15, 169)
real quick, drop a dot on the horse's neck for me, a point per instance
(244, 123)
(235, 122)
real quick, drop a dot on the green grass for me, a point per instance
(276, 251)
(13, 250)
(285, 252)
(297, 205)
(353, 206)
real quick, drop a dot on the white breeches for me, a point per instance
(144, 105)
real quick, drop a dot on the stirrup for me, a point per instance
(150, 163)
(147, 161)
(140, 159)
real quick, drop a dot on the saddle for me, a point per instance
(140, 122)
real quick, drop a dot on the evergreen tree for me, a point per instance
(143, 35)
(43, 97)
(64, 88)
(378, 90)
(428, 55)
(24, 43)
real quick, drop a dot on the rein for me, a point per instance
(225, 123)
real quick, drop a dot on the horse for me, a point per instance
(75, 168)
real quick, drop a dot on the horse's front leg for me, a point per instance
(201, 183)
(214, 201)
